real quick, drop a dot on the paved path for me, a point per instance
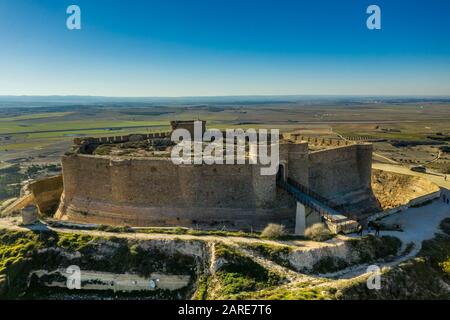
(418, 224)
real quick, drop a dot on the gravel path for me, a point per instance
(418, 224)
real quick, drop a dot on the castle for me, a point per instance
(131, 180)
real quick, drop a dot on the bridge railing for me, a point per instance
(310, 199)
(307, 200)
(311, 193)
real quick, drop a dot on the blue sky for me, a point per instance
(224, 47)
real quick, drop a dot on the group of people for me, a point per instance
(445, 198)
(370, 225)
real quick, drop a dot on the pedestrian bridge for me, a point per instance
(309, 202)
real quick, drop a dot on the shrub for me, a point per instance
(273, 231)
(202, 288)
(318, 232)
(437, 250)
(73, 241)
(103, 150)
(329, 264)
(445, 266)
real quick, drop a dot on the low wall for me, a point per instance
(412, 203)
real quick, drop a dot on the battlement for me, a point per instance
(121, 139)
(323, 143)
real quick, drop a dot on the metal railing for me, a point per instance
(308, 200)
(320, 205)
(311, 193)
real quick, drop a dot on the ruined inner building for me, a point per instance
(131, 180)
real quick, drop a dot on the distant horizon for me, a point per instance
(230, 96)
(311, 100)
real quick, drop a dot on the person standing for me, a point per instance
(360, 229)
(377, 229)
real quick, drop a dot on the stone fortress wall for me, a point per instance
(333, 173)
(156, 192)
(341, 174)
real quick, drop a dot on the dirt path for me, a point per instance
(11, 223)
(384, 158)
(435, 159)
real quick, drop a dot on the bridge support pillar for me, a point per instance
(300, 220)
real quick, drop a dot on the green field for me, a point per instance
(45, 132)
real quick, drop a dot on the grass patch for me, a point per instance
(371, 248)
(240, 274)
(73, 241)
(277, 254)
(437, 250)
(23, 252)
(192, 232)
(14, 246)
(299, 292)
(103, 150)
(365, 250)
(329, 264)
(411, 280)
(202, 288)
